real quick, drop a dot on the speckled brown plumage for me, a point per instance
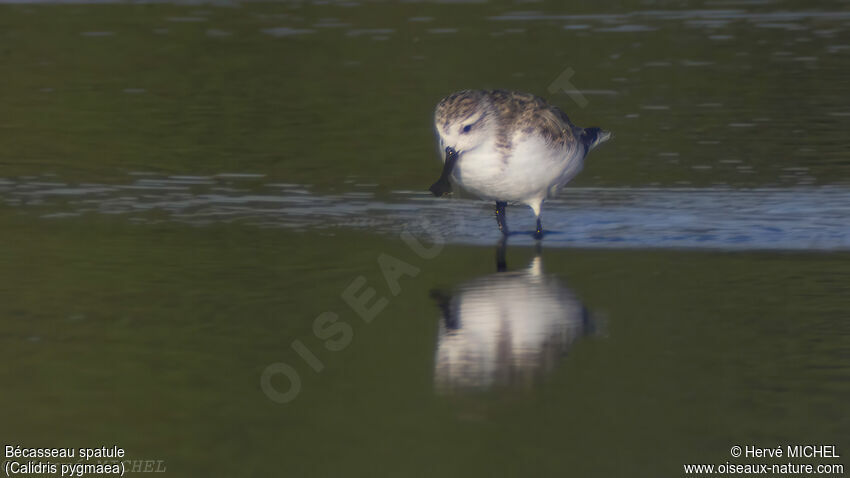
(515, 111)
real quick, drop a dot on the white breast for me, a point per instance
(531, 172)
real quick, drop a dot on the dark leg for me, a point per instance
(500, 216)
(538, 234)
(501, 265)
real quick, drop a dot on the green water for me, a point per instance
(153, 335)
(154, 338)
(339, 102)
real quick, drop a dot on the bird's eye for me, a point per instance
(467, 128)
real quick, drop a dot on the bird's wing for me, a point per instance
(529, 114)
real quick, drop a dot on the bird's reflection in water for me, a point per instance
(506, 329)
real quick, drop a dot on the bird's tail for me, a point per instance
(593, 137)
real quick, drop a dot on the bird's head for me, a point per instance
(464, 121)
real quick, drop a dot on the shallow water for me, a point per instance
(801, 218)
(188, 189)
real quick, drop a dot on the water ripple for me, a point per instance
(815, 218)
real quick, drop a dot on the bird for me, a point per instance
(509, 147)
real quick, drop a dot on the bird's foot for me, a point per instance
(500, 217)
(538, 234)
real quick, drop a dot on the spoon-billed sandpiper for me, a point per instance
(508, 146)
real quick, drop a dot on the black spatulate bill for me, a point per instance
(443, 186)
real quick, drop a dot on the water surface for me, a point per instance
(189, 191)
